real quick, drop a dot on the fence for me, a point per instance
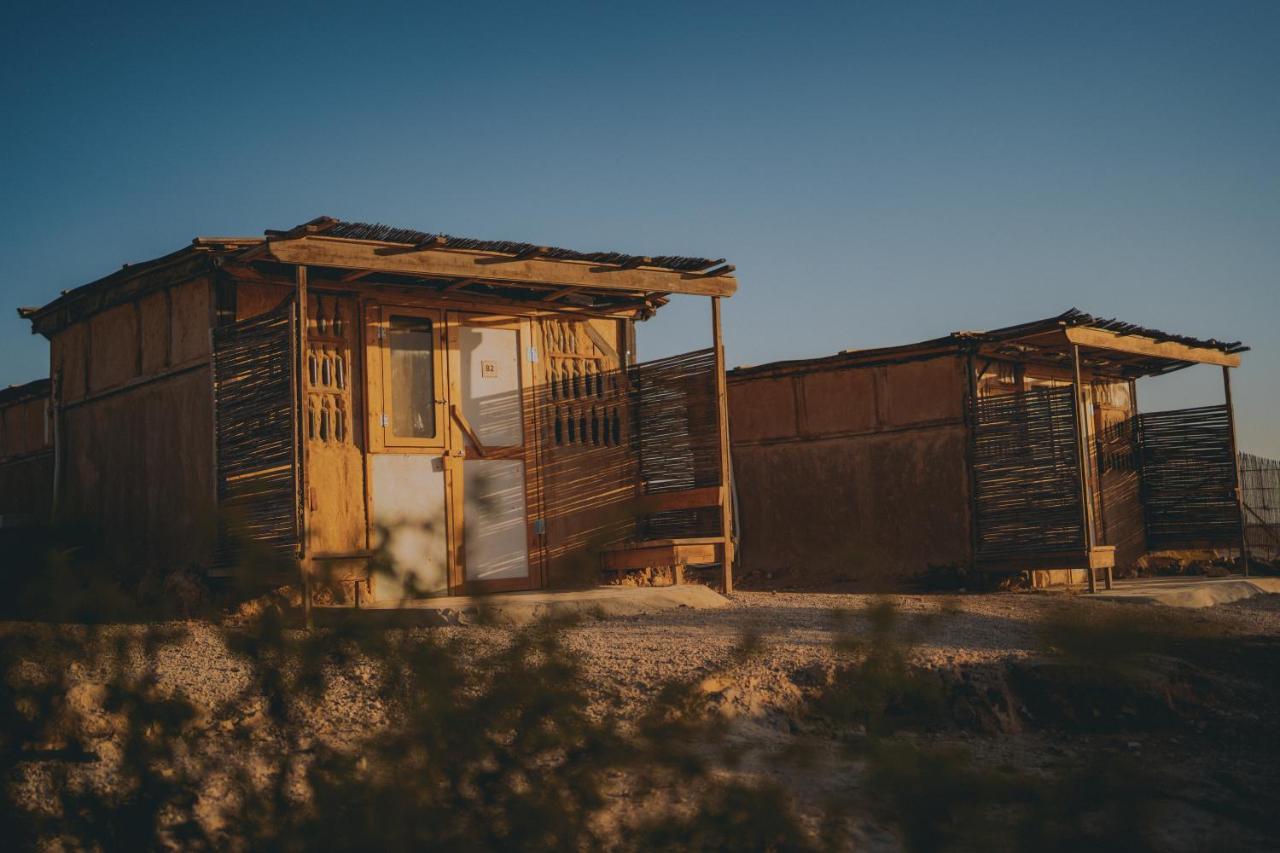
(1260, 489)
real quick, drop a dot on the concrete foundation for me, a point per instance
(1189, 592)
(522, 608)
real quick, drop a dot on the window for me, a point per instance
(411, 345)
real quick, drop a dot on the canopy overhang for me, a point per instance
(1105, 352)
(460, 264)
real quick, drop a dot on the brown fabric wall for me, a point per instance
(139, 465)
(23, 428)
(137, 425)
(26, 485)
(852, 475)
(26, 459)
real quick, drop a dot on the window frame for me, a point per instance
(385, 418)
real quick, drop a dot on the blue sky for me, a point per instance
(880, 173)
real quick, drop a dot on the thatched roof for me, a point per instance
(1076, 317)
(330, 227)
(39, 388)
(1029, 342)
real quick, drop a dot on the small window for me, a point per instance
(413, 413)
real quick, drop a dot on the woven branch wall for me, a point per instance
(1026, 474)
(677, 438)
(1188, 478)
(254, 413)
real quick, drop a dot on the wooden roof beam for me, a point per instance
(1139, 345)
(320, 251)
(557, 294)
(459, 284)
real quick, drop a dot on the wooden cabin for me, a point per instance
(1018, 449)
(348, 397)
(26, 454)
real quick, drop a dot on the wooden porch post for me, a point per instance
(1235, 466)
(301, 402)
(1082, 453)
(722, 416)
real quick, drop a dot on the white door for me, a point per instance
(489, 380)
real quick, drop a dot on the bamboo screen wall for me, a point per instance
(1026, 477)
(253, 364)
(1188, 478)
(677, 438)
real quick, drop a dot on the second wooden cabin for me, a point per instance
(1017, 449)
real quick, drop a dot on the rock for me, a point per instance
(816, 674)
(713, 685)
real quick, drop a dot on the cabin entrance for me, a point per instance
(491, 419)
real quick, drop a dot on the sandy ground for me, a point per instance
(627, 659)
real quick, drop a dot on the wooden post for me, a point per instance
(301, 402)
(57, 439)
(1235, 466)
(970, 455)
(722, 416)
(1082, 452)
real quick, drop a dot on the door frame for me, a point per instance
(458, 453)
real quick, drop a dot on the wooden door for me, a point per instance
(496, 543)
(408, 470)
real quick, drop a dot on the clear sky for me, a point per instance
(880, 173)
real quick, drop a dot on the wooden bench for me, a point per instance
(675, 554)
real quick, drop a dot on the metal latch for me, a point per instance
(386, 422)
(533, 354)
(539, 526)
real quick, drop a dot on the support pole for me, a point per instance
(970, 450)
(1082, 453)
(304, 323)
(1235, 466)
(726, 470)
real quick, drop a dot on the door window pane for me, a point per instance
(413, 412)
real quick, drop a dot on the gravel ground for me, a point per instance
(627, 659)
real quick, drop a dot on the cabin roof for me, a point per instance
(36, 389)
(329, 243)
(1108, 347)
(391, 234)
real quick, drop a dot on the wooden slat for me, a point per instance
(663, 555)
(1149, 347)
(711, 496)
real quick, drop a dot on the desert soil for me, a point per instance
(628, 659)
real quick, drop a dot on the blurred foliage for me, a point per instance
(460, 745)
